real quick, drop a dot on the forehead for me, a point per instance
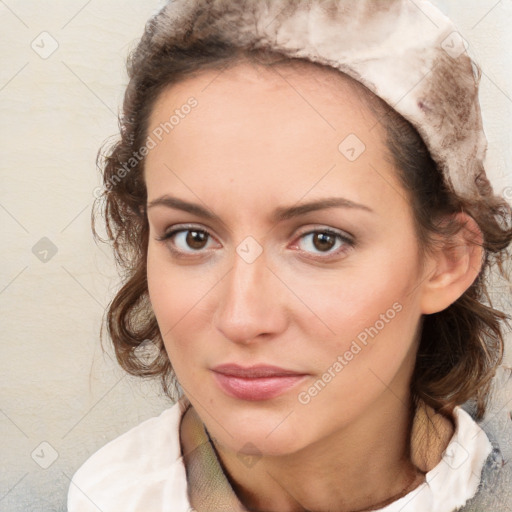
(296, 78)
(248, 102)
(283, 128)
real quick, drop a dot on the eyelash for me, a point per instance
(348, 242)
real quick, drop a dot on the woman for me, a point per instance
(299, 203)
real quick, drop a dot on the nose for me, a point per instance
(251, 306)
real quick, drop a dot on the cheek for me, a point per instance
(174, 291)
(371, 351)
(171, 299)
(355, 297)
(180, 298)
(372, 311)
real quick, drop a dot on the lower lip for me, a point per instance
(262, 388)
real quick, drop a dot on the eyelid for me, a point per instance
(347, 239)
(310, 229)
(326, 229)
(175, 228)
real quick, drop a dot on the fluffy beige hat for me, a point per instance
(405, 51)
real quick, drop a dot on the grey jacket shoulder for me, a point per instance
(494, 492)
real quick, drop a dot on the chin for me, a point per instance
(257, 433)
(256, 444)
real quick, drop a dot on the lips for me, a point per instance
(258, 382)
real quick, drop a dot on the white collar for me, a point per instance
(143, 469)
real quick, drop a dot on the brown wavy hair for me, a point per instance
(460, 348)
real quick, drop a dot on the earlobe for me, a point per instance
(456, 265)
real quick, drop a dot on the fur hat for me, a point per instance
(405, 51)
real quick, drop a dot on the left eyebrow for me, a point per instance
(286, 213)
(278, 215)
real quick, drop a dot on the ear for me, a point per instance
(453, 268)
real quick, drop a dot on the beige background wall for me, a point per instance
(56, 385)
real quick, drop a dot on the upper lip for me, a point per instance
(253, 372)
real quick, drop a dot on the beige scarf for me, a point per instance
(210, 491)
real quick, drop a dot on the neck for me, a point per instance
(356, 468)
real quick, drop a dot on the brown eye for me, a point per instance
(186, 240)
(323, 241)
(196, 239)
(326, 242)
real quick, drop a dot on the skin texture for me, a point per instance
(257, 140)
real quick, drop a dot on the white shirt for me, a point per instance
(142, 470)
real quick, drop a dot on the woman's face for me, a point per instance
(284, 323)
